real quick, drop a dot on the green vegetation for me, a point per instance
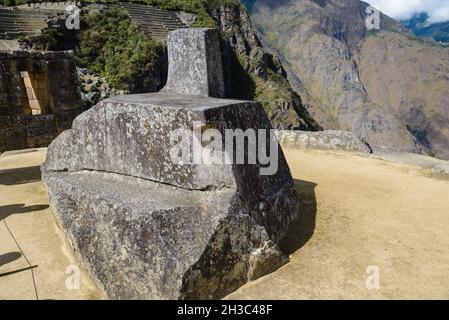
(7, 3)
(10, 3)
(109, 45)
(202, 8)
(113, 47)
(47, 40)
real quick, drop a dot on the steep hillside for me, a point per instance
(422, 28)
(385, 85)
(110, 45)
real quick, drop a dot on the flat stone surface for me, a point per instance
(323, 140)
(180, 101)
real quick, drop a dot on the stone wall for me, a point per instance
(39, 97)
(323, 140)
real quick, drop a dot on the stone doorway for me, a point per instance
(35, 92)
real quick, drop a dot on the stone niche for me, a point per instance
(149, 228)
(39, 97)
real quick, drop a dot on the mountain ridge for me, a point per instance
(420, 26)
(386, 85)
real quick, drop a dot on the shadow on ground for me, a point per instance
(11, 177)
(302, 229)
(6, 211)
(9, 257)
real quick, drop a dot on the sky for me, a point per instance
(438, 10)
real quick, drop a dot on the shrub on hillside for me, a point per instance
(113, 47)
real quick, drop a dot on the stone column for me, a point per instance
(195, 65)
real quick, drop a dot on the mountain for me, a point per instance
(422, 28)
(111, 44)
(386, 85)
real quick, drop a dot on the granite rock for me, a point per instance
(442, 169)
(194, 63)
(323, 140)
(150, 229)
(146, 227)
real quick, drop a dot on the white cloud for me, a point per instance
(438, 10)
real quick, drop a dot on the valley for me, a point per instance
(386, 85)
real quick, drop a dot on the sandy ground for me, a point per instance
(358, 214)
(29, 237)
(362, 214)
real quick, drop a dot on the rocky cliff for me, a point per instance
(419, 24)
(251, 72)
(385, 85)
(112, 46)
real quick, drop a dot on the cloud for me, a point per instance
(438, 10)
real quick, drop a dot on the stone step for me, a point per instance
(22, 18)
(26, 15)
(14, 31)
(154, 22)
(13, 28)
(153, 29)
(22, 23)
(15, 35)
(19, 30)
(161, 24)
(156, 33)
(31, 11)
(154, 14)
(152, 25)
(29, 21)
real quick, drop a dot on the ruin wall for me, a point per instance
(39, 97)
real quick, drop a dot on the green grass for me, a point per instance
(10, 3)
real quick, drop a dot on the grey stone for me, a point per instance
(18, 130)
(442, 169)
(187, 18)
(323, 140)
(148, 228)
(195, 66)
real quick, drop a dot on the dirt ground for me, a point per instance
(29, 237)
(362, 214)
(359, 214)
